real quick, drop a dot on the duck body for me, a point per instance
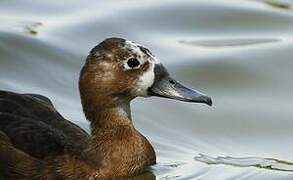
(51, 147)
(36, 142)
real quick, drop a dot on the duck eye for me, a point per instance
(132, 62)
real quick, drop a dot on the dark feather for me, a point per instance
(31, 123)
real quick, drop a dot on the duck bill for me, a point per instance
(167, 87)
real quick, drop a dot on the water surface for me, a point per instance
(237, 51)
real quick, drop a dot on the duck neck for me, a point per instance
(111, 117)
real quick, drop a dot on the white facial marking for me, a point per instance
(140, 56)
(147, 79)
(135, 50)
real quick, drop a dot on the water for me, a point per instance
(237, 51)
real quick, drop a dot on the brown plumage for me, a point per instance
(36, 142)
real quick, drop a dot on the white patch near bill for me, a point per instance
(145, 81)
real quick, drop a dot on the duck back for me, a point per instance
(31, 130)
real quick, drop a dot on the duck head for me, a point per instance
(118, 70)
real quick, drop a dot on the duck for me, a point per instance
(37, 142)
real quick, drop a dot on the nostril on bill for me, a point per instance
(172, 82)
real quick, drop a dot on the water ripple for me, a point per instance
(230, 42)
(260, 162)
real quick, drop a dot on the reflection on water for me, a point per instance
(239, 52)
(229, 42)
(34, 28)
(278, 4)
(12, 24)
(267, 163)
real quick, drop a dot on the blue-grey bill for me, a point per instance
(167, 87)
